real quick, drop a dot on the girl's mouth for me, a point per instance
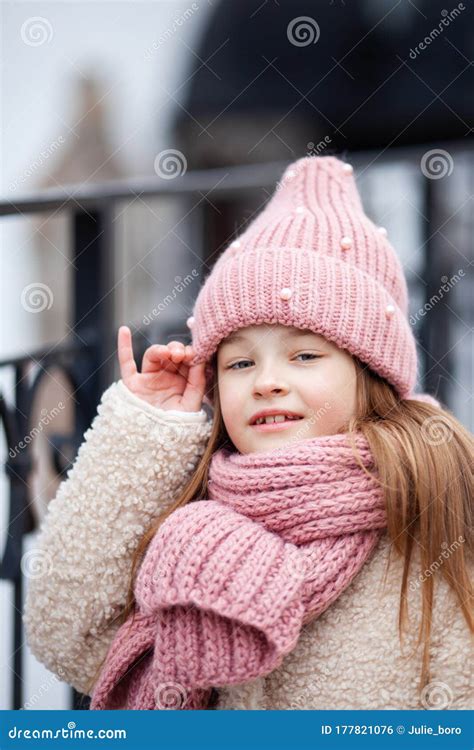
(275, 426)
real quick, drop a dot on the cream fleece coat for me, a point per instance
(134, 461)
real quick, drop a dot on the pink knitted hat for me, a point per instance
(313, 259)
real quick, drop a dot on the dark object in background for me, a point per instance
(368, 75)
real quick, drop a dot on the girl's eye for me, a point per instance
(243, 361)
(308, 354)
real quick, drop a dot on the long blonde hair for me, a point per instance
(422, 455)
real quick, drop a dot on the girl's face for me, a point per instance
(277, 367)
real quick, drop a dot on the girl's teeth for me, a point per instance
(276, 418)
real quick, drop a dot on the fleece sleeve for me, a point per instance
(132, 464)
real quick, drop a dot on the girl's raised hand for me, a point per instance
(167, 379)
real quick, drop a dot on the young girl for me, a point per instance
(304, 541)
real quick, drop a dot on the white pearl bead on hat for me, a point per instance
(235, 243)
(389, 311)
(190, 321)
(286, 293)
(300, 209)
(383, 231)
(348, 168)
(346, 243)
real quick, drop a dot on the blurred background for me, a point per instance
(138, 139)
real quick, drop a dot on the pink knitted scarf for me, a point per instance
(228, 582)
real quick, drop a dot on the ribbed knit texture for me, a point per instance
(227, 583)
(344, 278)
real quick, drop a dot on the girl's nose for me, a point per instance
(269, 387)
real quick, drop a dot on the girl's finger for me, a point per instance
(160, 357)
(174, 351)
(128, 366)
(178, 351)
(197, 377)
(158, 352)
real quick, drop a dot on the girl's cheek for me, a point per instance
(333, 396)
(232, 408)
(342, 401)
